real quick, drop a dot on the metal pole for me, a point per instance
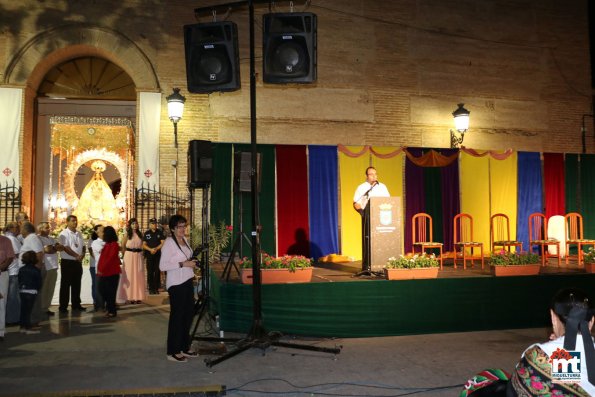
(256, 286)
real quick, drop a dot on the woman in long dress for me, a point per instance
(134, 281)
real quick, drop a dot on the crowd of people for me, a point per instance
(122, 270)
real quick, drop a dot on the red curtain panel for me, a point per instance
(553, 175)
(292, 201)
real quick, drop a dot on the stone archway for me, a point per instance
(53, 46)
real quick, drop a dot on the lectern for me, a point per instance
(381, 233)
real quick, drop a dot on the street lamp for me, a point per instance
(175, 108)
(461, 116)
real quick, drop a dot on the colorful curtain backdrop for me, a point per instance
(475, 195)
(503, 188)
(221, 186)
(323, 200)
(266, 202)
(351, 174)
(530, 193)
(553, 179)
(292, 201)
(434, 189)
(388, 162)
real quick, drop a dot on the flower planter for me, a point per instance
(278, 276)
(411, 274)
(590, 267)
(515, 270)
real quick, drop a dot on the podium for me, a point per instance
(381, 233)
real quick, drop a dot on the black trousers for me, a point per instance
(181, 303)
(27, 301)
(153, 273)
(108, 286)
(71, 272)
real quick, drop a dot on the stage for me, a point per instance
(335, 304)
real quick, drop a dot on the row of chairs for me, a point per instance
(422, 233)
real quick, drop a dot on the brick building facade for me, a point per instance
(389, 73)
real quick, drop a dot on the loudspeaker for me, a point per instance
(289, 47)
(200, 163)
(212, 62)
(242, 168)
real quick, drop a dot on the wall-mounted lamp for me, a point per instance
(175, 109)
(461, 116)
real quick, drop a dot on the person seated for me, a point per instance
(572, 319)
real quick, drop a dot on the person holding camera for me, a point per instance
(177, 262)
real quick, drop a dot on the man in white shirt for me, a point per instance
(32, 242)
(6, 257)
(71, 265)
(13, 301)
(50, 248)
(370, 188)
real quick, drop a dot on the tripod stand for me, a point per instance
(237, 244)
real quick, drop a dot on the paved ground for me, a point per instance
(88, 352)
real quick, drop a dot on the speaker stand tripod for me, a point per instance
(366, 247)
(237, 245)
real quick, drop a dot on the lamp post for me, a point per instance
(461, 116)
(175, 109)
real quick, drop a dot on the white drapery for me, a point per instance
(11, 100)
(148, 158)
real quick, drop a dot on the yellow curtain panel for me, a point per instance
(390, 172)
(475, 195)
(351, 174)
(503, 182)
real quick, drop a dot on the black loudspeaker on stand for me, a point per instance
(200, 163)
(242, 165)
(212, 62)
(289, 47)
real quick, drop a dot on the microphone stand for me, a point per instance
(365, 213)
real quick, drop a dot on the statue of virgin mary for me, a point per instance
(97, 203)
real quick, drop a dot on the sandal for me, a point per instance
(189, 353)
(177, 358)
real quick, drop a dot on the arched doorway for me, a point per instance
(77, 73)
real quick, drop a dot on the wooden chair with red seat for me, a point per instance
(463, 239)
(421, 225)
(573, 229)
(500, 233)
(538, 236)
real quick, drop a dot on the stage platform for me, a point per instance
(335, 304)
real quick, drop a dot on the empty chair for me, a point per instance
(538, 235)
(463, 239)
(573, 230)
(500, 233)
(421, 225)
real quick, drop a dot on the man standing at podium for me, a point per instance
(370, 188)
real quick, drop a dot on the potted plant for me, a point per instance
(219, 238)
(411, 267)
(589, 260)
(504, 263)
(283, 269)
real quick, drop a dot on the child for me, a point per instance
(29, 285)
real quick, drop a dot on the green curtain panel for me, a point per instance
(221, 184)
(588, 194)
(433, 197)
(266, 202)
(572, 182)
